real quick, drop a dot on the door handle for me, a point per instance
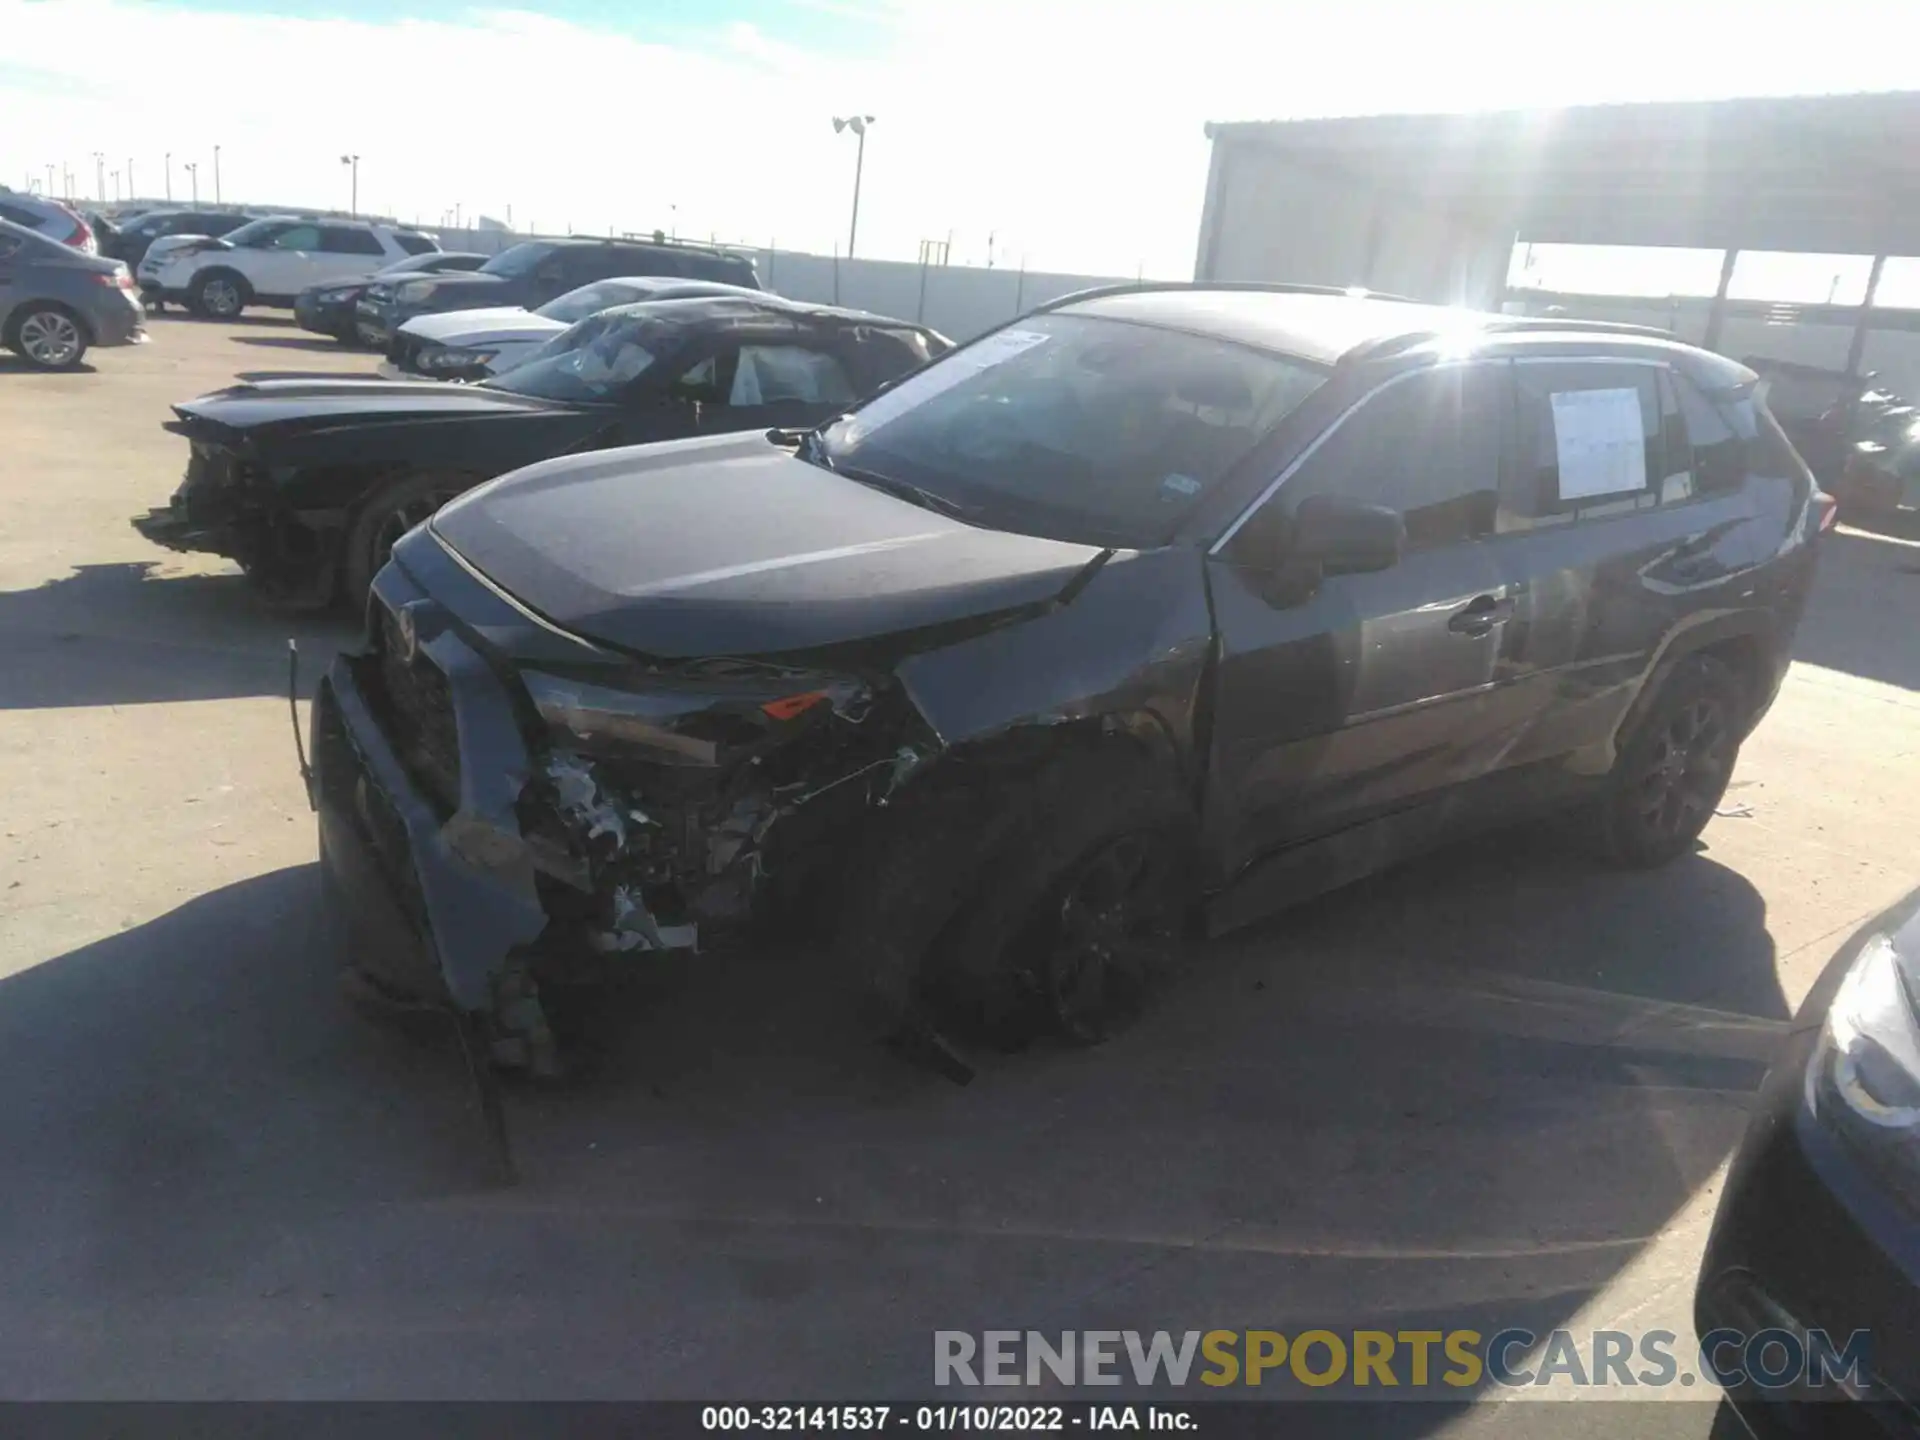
(1480, 614)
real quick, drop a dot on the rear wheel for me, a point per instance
(47, 337)
(219, 295)
(1672, 774)
(386, 515)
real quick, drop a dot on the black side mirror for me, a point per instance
(1345, 537)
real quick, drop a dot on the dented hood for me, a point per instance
(732, 546)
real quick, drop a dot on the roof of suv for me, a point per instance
(1325, 325)
(748, 304)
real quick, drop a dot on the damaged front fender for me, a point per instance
(1134, 644)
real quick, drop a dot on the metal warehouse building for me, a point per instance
(1432, 205)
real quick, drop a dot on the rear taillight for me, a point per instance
(117, 279)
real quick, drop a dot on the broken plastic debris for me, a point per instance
(580, 797)
(634, 927)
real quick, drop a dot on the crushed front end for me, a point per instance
(508, 808)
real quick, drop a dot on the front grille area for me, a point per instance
(417, 705)
(348, 790)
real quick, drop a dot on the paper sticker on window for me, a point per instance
(1176, 487)
(955, 369)
(1600, 443)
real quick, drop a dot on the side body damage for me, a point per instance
(568, 810)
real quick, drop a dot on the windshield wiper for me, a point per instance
(902, 490)
(807, 447)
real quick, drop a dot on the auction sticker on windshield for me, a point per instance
(962, 365)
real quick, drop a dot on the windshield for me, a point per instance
(589, 300)
(516, 260)
(1075, 427)
(588, 364)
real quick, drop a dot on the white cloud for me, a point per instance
(1069, 129)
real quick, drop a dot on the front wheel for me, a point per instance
(1671, 775)
(1048, 900)
(48, 338)
(390, 512)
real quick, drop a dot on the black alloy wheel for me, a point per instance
(1685, 771)
(1114, 925)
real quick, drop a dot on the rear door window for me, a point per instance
(1595, 440)
(345, 240)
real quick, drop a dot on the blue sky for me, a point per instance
(1067, 133)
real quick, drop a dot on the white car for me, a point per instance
(472, 344)
(269, 261)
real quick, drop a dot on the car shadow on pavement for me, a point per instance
(121, 635)
(1463, 1095)
(11, 364)
(1858, 621)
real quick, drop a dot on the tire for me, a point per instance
(219, 295)
(47, 337)
(970, 897)
(1672, 773)
(387, 514)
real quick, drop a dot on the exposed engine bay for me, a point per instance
(655, 818)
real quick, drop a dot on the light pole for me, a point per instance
(130, 189)
(49, 181)
(352, 162)
(100, 174)
(116, 187)
(858, 124)
(216, 174)
(169, 164)
(193, 174)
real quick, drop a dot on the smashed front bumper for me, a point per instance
(441, 901)
(210, 509)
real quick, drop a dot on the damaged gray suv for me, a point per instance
(1159, 604)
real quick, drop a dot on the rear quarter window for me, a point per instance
(418, 245)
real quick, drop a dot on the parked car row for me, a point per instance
(535, 272)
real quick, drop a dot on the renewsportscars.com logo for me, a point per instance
(1447, 1361)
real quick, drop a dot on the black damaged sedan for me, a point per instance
(1159, 600)
(307, 483)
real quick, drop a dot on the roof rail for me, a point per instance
(1388, 345)
(1268, 287)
